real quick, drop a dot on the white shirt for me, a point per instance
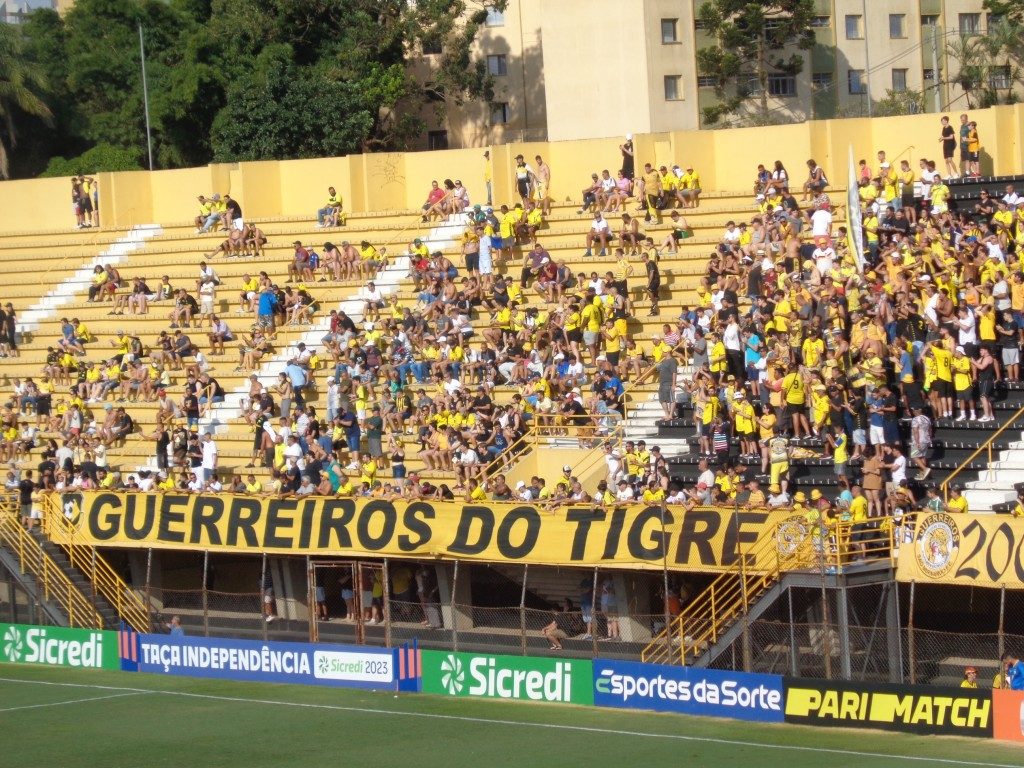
(1011, 198)
(293, 451)
(375, 295)
(968, 333)
(899, 469)
(209, 454)
(599, 225)
(731, 337)
(731, 235)
(821, 223)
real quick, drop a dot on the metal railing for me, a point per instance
(90, 563)
(829, 547)
(53, 583)
(986, 446)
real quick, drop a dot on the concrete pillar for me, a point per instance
(290, 595)
(893, 633)
(137, 565)
(632, 594)
(843, 622)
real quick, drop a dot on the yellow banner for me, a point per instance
(636, 536)
(978, 550)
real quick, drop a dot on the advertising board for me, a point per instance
(58, 646)
(268, 662)
(690, 691)
(910, 708)
(525, 678)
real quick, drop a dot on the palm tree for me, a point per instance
(20, 83)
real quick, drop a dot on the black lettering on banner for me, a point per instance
(128, 521)
(169, 517)
(635, 539)
(206, 513)
(698, 530)
(412, 522)
(584, 517)
(614, 534)
(462, 544)
(278, 522)
(965, 571)
(736, 537)
(104, 527)
(306, 523)
(243, 515)
(1018, 566)
(335, 517)
(366, 539)
(1007, 533)
(530, 535)
(909, 708)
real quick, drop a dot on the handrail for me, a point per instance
(52, 581)
(829, 547)
(986, 446)
(84, 557)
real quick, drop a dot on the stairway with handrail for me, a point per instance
(59, 597)
(86, 560)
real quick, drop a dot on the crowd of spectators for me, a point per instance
(799, 347)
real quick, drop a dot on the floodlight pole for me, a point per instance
(145, 96)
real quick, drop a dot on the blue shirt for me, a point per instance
(1016, 676)
(296, 374)
(875, 419)
(267, 303)
(615, 383)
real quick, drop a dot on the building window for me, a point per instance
(495, 18)
(970, 24)
(431, 47)
(899, 80)
(499, 113)
(672, 90)
(821, 81)
(897, 26)
(822, 22)
(699, 24)
(999, 78)
(929, 19)
(437, 139)
(856, 82)
(497, 64)
(707, 81)
(781, 85)
(853, 28)
(929, 75)
(669, 31)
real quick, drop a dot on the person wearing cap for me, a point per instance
(957, 502)
(970, 678)
(689, 187)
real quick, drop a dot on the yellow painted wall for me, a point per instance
(725, 159)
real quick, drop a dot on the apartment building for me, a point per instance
(594, 68)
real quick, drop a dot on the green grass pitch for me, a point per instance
(70, 718)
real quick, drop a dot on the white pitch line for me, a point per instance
(519, 723)
(70, 701)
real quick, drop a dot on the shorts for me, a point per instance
(320, 595)
(1011, 356)
(943, 388)
(472, 262)
(840, 469)
(590, 337)
(974, 156)
(558, 634)
(876, 434)
(964, 394)
(574, 335)
(26, 510)
(268, 596)
(860, 437)
(778, 469)
(985, 387)
(206, 305)
(366, 598)
(347, 594)
(795, 408)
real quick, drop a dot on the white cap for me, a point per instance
(567, 468)
(520, 484)
(629, 137)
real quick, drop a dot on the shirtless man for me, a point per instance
(543, 174)
(254, 240)
(233, 246)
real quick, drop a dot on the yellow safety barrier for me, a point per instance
(53, 583)
(793, 545)
(91, 564)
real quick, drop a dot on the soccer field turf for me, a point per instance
(69, 718)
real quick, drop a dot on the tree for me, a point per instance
(98, 159)
(1010, 10)
(750, 45)
(988, 65)
(21, 83)
(282, 110)
(895, 103)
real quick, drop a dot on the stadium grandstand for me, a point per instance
(693, 341)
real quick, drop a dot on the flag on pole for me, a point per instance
(855, 230)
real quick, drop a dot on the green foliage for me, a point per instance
(894, 103)
(22, 82)
(99, 159)
(751, 42)
(987, 63)
(246, 79)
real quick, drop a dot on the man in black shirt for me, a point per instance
(25, 488)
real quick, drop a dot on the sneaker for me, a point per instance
(270, 618)
(961, 417)
(588, 637)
